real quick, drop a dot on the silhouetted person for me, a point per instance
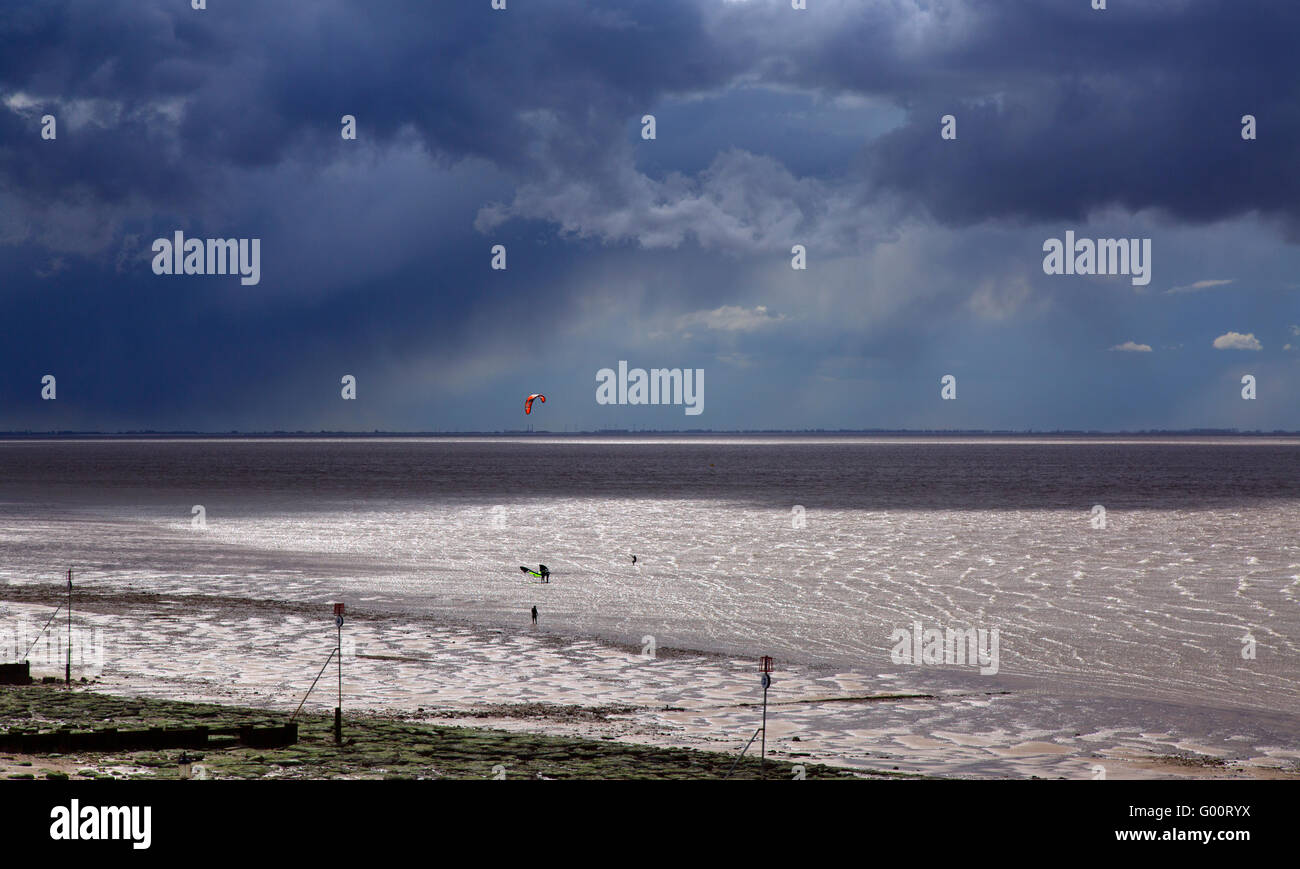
(545, 572)
(634, 559)
(534, 615)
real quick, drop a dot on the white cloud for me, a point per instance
(730, 318)
(1237, 341)
(20, 103)
(75, 114)
(999, 298)
(742, 203)
(1132, 347)
(1199, 285)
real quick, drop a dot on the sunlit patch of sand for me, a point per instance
(1028, 749)
(971, 740)
(450, 674)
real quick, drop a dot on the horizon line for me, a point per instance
(377, 433)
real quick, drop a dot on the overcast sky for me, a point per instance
(774, 127)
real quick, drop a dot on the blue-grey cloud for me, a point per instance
(776, 127)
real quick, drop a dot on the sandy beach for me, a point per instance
(264, 654)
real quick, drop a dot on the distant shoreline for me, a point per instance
(617, 433)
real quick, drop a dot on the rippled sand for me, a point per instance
(263, 655)
(1174, 630)
(1156, 605)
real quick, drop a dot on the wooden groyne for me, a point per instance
(16, 674)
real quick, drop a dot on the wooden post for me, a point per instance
(766, 666)
(67, 667)
(338, 649)
(338, 709)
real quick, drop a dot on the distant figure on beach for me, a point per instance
(534, 615)
(634, 559)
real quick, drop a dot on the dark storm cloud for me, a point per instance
(1061, 109)
(522, 125)
(261, 82)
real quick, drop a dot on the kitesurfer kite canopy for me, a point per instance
(528, 402)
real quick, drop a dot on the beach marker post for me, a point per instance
(338, 710)
(67, 666)
(766, 667)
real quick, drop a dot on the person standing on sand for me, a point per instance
(534, 615)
